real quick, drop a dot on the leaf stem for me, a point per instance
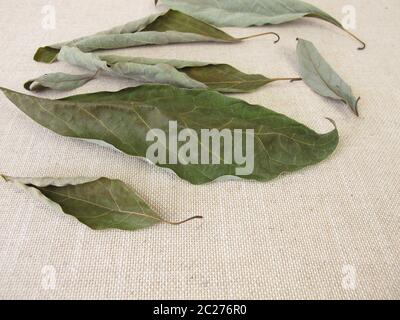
(364, 45)
(340, 26)
(182, 222)
(356, 107)
(260, 35)
(286, 79)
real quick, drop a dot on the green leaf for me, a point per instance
(225, 78)
(246, 13)
(58, 81)
(123, 119)
(320, 76)
(98, 203)
(183, 74)
(159, 29)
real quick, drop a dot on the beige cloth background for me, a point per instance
(330, 231)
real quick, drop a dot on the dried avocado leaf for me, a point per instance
(98, 203)
(183, 74)
(321, 77)
(123, 120)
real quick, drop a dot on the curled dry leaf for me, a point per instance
(123, 120)
(246, 13)
(321, 77)
(58, 81)
(98, 203)
(179, 73)
(158, 29)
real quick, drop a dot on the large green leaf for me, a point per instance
(163, 28)
(184, 74)
(245, 13)
(98, 203)
(123, 119)
(321, 77)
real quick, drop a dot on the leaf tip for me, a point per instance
(184, 221)
(4, 90)
(4, 178)
(46, 55)
(332, 121)
(278, 37)
(357, 113)
(28, 84)
(364, 45)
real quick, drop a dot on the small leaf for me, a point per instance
(58, 81)
(98, 203)
(159, 29)
(246, 13)
(183, 74)
(320, 76)
(123, 120)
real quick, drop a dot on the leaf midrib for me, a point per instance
(104, 207)
(321, 75)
